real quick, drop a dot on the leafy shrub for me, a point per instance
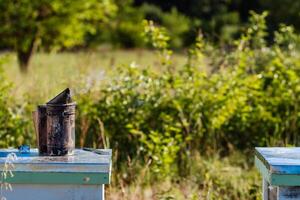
(177, 25)
(127, 28)
(13, 127)
(152, 12)
(162, 119)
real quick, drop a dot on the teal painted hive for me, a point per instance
(80, 176)
(280, 169)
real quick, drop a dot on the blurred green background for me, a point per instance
(182, 91)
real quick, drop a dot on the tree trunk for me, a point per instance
(23, 59)
(24, 55)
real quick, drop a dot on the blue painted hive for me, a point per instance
(84, 167)
(279, 166)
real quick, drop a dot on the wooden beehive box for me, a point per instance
(77, 177)
(280, 169)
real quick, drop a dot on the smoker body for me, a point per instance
(280, 170)
(80, 176)
(60, 129)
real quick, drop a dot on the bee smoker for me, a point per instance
(55, 126)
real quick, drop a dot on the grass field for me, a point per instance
(50, 73)
(213, 178)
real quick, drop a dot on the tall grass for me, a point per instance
(50, 73)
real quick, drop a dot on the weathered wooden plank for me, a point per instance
(59, 168)
(55, 192)
(265, 189)
(81, 162)
(263, 169)
(80, 157)
(288, 193)
(59, 178)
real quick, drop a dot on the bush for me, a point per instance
(126, 30)
(161, 119)
(177, 25)
(13, 127)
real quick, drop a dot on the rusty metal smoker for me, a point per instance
(55, 125)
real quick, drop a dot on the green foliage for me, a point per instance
(221, 21)
(218, 175)
(51, 24)
(161, 150)
(67, 22)
(286, 37)
(162, 119)
(124, 30)
(177, 25)
(12, 126)
(257, 30)
(55, 25)
(159, 39)
(211, 177)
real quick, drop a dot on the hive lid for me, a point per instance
(62, 98)
(34, 169)
(279, 165)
